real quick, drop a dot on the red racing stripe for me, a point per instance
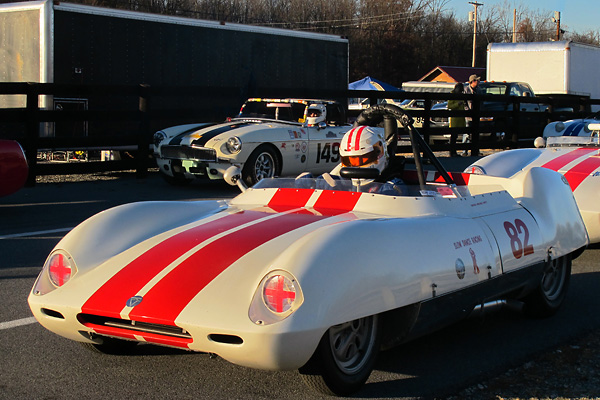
(111, 298)
(357, 140)
(337, 201)
(287, 199)
(559, 162)
(165, 301)
(578, 173)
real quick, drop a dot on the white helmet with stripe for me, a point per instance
(364, 147)
(316, 113)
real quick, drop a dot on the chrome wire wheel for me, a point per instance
(352, 343)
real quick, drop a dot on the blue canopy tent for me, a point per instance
(368, 83)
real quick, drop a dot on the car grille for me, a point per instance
(188, 153)
(133, 326)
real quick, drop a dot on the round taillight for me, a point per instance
(60, 269)
(279, 293)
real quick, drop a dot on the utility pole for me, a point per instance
(474, 16)
(556, 20)
(514, 32)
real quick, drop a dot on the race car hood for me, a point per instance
(168, 268)
(209, 135)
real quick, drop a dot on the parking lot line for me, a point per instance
(17, 322)
(25, 234)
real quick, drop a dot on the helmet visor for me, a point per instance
(362, 160)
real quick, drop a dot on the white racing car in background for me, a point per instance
(571, 148)
(269, 137)
(314, 274)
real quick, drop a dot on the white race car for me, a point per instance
(269, 137)
(314, 274)
(571, 148)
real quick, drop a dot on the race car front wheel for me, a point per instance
(262, 163)
(547, 298)
(344, 358)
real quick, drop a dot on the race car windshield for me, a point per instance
(564, 141)
(365, 186)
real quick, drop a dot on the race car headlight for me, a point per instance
(58, 269)
(559, 127)
(278, 295)
(234, 145)
(158, 138)
(475, 170)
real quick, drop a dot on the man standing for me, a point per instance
(470, 89)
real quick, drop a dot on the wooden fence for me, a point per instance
(129, 115)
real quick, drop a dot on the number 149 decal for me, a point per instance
(515, 232)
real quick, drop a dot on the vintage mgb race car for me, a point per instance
(269, 137)
(13, 167)
(314, 274)
(571, 148)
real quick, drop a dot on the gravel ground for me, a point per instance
(568, 372)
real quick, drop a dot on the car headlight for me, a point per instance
(559, 127)
(475, 170)
(58, 269)
(278, 295)
(159, 137)
(234, 145)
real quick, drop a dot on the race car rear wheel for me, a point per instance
(547, 298)
(344, 358)
(111, 346)
(262, 163)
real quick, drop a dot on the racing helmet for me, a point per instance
(364, 147)
(315, 113)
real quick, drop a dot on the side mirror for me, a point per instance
(233, 176)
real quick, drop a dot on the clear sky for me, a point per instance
(580, 16)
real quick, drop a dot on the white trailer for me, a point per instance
(562, 68)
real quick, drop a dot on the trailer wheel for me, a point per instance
(262, 163)
(344, 358)
(547, 298)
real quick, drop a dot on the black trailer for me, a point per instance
(52, 42)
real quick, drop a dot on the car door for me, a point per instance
(324, 147)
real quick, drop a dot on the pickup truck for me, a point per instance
(532, 118)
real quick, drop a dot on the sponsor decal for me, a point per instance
(304, 147)
(469, 241)
(474, 259)
(134, 301)
(297, 146)
(283, 145)
(303, 159)
(459, 265)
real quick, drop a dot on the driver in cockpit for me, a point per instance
(364, 147)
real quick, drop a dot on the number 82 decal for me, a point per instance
(515, 232)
